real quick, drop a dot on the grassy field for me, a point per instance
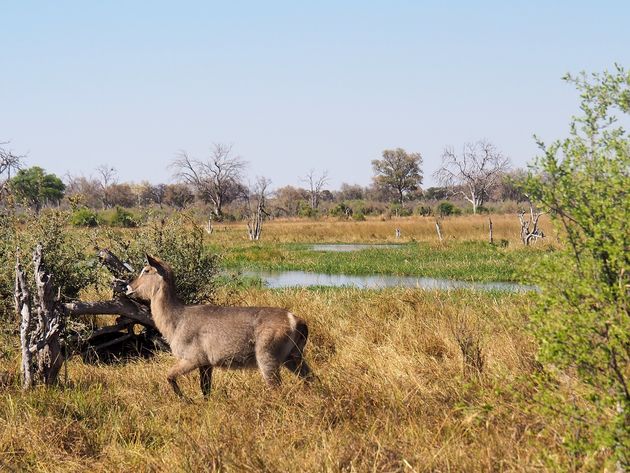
(395, 393)
(376, 230)
(409, 380)
(465, 254)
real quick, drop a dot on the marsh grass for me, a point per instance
(465, 254)
(376, 230)
(471, 261)
(392, 395)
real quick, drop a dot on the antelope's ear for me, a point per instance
(154, 262)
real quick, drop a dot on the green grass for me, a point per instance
(470, 261)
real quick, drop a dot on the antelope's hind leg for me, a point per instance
(299, 367)
(181, 368)
(205, 379)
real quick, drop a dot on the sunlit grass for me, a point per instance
(392, 395)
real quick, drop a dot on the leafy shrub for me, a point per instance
(306, 211)
(8, 244)
(424, 211)
(84, 217)
(445, 209)
(358, 216)
(400, 211)
(123, 218)
(179, 241)
(341, 210)
(582, 319)
(70, 261)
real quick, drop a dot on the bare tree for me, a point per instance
(398, 171)
(107, 176)
(8, 162)
(216, 180)
(475, 172)
(534, 233)
(315, 186)
(256, 203)
(83, 191)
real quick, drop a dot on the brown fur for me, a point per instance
(207, 336)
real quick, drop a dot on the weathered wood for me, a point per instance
(528, 235)
(257, 212)
(49, 323)
(114, 264)
(490, 229)
(110, 343)
(119, 306)
(438, 229)
(23, 309)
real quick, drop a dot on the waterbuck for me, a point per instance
(204, 336)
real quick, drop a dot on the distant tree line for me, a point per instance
(469, 180)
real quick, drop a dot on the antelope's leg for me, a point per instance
(181, 368)
(298, 366)
(205, 379)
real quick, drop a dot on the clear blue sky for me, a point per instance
(293, 85)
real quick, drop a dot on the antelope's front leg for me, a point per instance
(181, 368)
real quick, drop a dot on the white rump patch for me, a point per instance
(292, 321)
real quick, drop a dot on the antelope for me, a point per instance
(207, 336)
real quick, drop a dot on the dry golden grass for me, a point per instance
(375, 230)
(393, 395)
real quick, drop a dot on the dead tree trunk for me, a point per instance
(257, 212)
(527, 234)
(49, 323)
(438, 229)
(23, 309)
(42, 355)
(254, 225)
(490, 230)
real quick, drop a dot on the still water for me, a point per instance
(280, 279)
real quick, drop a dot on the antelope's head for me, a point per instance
(155, 277)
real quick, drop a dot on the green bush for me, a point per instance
(424, 210)
(179, 241)
(341, 210)
(582, 320)
(306, 211)
(123, 218)
(84, 217)
(358, 216)
(444, 209)
(400, 211)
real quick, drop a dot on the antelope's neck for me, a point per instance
(165, 309)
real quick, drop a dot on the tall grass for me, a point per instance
(375, 230)
(394, 394)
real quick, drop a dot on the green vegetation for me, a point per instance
(34, 187)
(84, 217)
(583, 317)
(471, 261)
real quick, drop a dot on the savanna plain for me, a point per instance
(408, 379)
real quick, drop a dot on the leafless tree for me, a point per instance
(178, 195)
(83, 191)
(107, 176)
(9, 162)
(475, 172)
(315, 185)
(534, 233)
(256, 203)
(216, 179)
